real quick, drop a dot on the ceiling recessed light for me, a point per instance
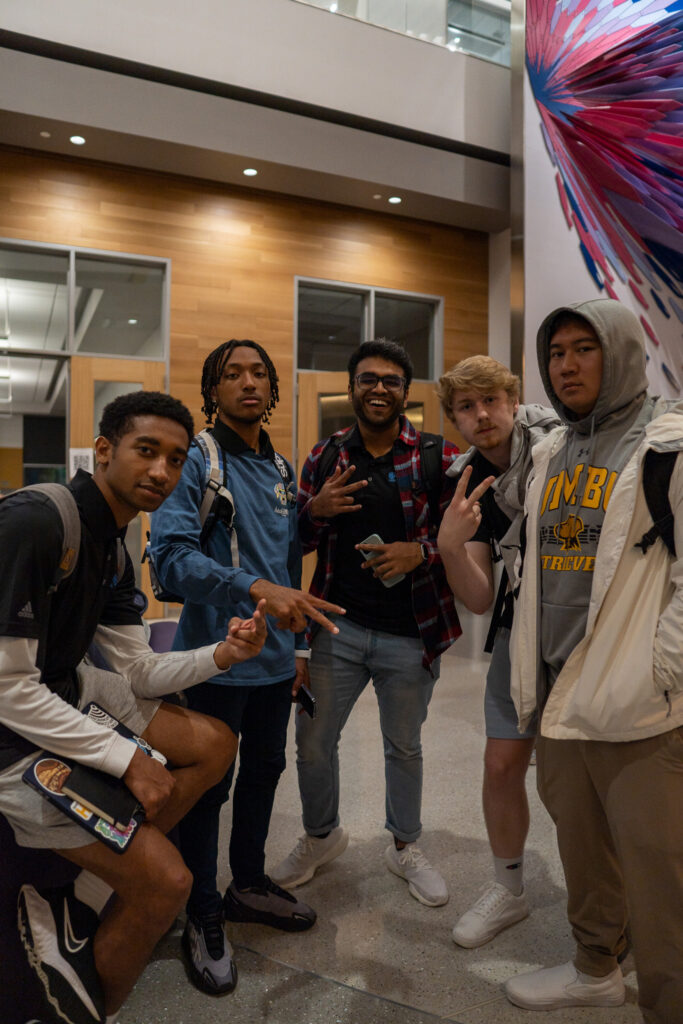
(250, 172)
(333, 8)
(45, 135)
(132, 320)
(77, 140)
(377, 195)
(394, 199)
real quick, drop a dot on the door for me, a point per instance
(94, 382)
(324, 407)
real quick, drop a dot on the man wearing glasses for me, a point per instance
(372, 513)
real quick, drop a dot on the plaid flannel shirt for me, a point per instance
(433, 606)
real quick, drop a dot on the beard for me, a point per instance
(378, 421)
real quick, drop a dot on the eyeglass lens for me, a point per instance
(391, 381)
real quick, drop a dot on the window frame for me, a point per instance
(369, 293)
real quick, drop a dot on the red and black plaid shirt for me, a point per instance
(433, 606)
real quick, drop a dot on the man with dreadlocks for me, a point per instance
(239, 389)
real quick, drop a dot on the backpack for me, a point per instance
(430, 466)
(65, 503)
(657, 470)
(217, 504)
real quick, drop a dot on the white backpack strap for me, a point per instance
(215, 487)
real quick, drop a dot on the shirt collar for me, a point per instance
(406, 435)
(94, 507)
(233, 444)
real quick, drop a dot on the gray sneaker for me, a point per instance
(308, 855)
(268, 904)
(209, 955)
(424, 882)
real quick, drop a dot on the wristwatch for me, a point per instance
(425, 553)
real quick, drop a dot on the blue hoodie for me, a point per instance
(214, 590)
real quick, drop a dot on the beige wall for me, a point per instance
(235, 254)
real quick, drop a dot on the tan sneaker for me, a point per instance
(307, 856)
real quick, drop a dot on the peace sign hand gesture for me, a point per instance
(336, 495)
(462, 518)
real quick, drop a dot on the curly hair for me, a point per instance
(213, 370)
(118, 415)
(482, 374)
(390, 351)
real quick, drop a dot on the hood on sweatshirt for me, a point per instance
(623, 359)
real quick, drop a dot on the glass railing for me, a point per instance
(478, 27)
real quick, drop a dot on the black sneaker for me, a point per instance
(57, 931)
(268, 904)
(209, 955)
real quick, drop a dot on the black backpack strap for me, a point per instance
(497, 612)
(431, 449)
(328, 457)
(657, 470)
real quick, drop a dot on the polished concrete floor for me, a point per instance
(375, 954)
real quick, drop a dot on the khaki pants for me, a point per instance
(618, 808)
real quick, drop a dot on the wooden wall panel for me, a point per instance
(235, 253)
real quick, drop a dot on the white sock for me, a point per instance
(90, 889)
(510, 873)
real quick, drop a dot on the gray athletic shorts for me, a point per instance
(36, 822)
(499, 711)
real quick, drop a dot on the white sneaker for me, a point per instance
(555, 987)
(497, 909)
(424, 882)
(307, 856)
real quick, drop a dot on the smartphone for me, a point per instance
(368, 556)
(307, 701)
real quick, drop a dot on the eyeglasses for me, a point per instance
(390, 381)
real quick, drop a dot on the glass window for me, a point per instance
(34, 303)
(479, 27)
(330, 326)
(409, 322)
(334, 320)
(118, 308)
(105, 392)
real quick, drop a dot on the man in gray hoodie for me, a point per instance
(596, 646)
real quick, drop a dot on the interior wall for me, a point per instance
(235, 255)
(292, 51)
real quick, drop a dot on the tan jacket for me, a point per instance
(624, 680)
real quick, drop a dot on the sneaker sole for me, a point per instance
(283, 924)
(197, 977)
(423, 899)
(420, 897)
(566, 1001)
(37, 966)
(332, 854)
(474, 944)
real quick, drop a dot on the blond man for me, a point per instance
(481, 525)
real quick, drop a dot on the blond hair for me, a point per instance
(476, 373)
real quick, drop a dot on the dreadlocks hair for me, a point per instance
(118, 415)
(213, 371)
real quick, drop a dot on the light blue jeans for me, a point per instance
(340, 668)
